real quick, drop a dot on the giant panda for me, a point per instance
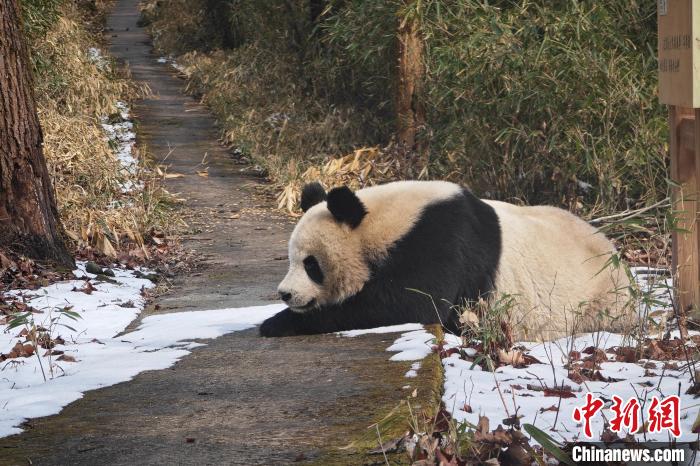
(411, 251)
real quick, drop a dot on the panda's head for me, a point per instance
(327, 261)
(344, 237)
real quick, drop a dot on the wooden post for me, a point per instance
(679, 87)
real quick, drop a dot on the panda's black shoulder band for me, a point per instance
(312, 194)
(345, 206)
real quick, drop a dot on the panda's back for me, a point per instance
(553, 262)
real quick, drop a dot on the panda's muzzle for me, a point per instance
(306, 307)
(287, 296)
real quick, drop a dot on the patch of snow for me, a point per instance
(95, 56)
(583, 185)
(413, 371)
(171, 61)
(101, 357)
(412, 346)
(122, 137)
(387, 329)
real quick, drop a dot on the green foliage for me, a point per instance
(548, 444)
(533, 100)
(355, 59)
(488, 329)
(38, 16)
(528, 97)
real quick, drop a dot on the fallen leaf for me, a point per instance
(558, 392)
(66, 358)
(626, 354)
(514, 358)
(87, 288)
(654, 351)
(516, 455)
(105, 246)
(169, 176)
(28, 349)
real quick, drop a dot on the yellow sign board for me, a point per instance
(679, 52)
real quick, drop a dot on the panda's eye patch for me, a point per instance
(313, 270)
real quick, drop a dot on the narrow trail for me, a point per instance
(241, 399)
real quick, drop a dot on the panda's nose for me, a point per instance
(285, 296)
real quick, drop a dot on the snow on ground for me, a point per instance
(387, 329)
(414, 344)
(171, 61)
(120, 133)
(95, 56)
(471, 391)
(102, 356)
(119, 129)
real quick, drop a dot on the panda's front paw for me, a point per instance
(280, 325)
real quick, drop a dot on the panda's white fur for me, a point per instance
(557, 268)
(394, 209)
(551, 263)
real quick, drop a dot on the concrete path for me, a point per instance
(241, 399)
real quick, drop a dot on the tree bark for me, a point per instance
(28, 214)
(410, 111)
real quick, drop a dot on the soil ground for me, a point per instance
(241, 399)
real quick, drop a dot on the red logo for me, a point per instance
(586, 412)
(665, 415)
(661, 414)
(626, 416)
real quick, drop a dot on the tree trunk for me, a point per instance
(28, 214)
(410, 111)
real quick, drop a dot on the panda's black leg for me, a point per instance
(283, 324)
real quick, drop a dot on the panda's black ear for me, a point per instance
(345, 206)
(312, 194)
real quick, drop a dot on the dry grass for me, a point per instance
(362, 167)
(268, 117)
(73, 91)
